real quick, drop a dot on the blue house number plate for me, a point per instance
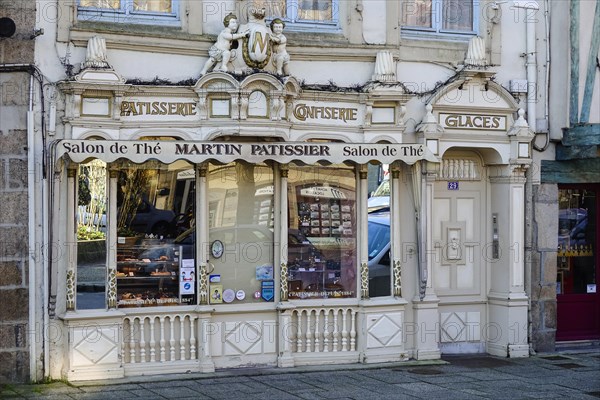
(452, 185)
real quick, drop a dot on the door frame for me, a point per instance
(571, 305)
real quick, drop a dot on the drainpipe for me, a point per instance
(530, 7)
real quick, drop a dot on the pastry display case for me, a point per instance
(151, 275)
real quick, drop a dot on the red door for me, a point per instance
(578, 272)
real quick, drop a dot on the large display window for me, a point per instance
(241, 222)
(155, 254)
(322, 232)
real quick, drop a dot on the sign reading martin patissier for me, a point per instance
(197, 152)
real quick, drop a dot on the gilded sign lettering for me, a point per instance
(473, 121)
(135, 108)
(302, 112)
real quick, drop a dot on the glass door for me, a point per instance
(578, 301)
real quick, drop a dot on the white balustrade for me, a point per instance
(319, 330)
(159, 338)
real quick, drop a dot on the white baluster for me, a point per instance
(299, 332)
(353, 332)
(143, 339)
(162, 338)
(152, 341)
(172, 339)
(335, 331)
(192, 338)
(182, 319)
(308, 332)
(317, 332)
(344, 330)
(325, 333)
(131, 340)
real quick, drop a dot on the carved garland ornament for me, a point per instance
(70, 290)
(397, 278)
(203, 284)
(112, 288)
(364, 280)
(284, 282)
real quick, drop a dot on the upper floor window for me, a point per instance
(164, 12)
(440, 16)
(305, 13)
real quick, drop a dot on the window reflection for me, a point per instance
(91, 235)
(322, 232)
(241, 221)
(576, 242)
(155, 246)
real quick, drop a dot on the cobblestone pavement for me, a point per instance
(565, 375)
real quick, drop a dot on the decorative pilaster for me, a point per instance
(71, 236)
(283, 237)
(363, 225)
(202, 244)
(395, 233)
(507, 298)
(111, 276)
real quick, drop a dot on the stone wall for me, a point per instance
(543, 267)
(14, 100)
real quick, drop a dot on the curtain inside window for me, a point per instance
(163, 6)
(113, 4)
(457, 15)
(417, 13)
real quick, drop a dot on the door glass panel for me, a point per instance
(576, 242)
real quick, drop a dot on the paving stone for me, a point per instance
(174, 392)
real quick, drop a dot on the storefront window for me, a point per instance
(241, 221)
(322, 232)
(576, 241)
(91, 235)
(155, 246)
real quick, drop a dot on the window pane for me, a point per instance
(576, 242)
(322, 232)
(91, 235)
(457, 15)
(113, 4)
(155, 246)
(315, 10)
(379, 233)
(417, 13)
(163, 6)
(276, 9)
(241, 213)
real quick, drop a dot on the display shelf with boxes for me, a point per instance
(151, 275)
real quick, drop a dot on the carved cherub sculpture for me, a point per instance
(220, 51)
(280, 57)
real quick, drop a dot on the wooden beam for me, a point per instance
(582, 135)
(565, 153)
(574, 36)
(575, 171)
(591, 68)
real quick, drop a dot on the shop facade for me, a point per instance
(222, 221)
(269, 260)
